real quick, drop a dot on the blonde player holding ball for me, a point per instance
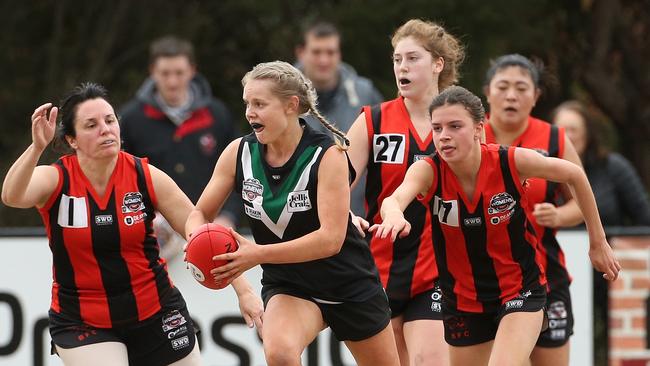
(317, 269)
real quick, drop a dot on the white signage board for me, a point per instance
(25, 280)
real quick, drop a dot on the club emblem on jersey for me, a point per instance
(252, 191)
(501, 202)
(132, 202)
(172, 320)
(298, 201)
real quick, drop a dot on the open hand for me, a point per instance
(43, 125)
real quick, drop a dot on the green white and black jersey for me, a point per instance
(281, 204)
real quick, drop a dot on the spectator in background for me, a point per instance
(176, 122)
(341, 92)
(621, 197)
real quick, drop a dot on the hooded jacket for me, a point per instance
(342, 109)
(188, 149)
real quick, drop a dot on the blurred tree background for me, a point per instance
(594, 50)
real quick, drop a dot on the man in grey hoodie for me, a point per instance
(341, 91)
(176, 122)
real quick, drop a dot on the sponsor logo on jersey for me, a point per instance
(472, 221)
(418, 157)
(178, 332)
(501, 202)
(298, 201)
(181, 342)
(256, 214)
(515, 304)
(252, 191)
(557, 310)
(518, 302)
(495, 220)
(132, 202)
(135, 219)
(172, 320)
(101, 220)
(557, 334)
(436, 297)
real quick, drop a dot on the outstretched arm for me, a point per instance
(216, 191)
(173, 204)
(531, 164)
(27, 185)
(418, 180)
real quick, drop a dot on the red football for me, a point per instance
(207, 241)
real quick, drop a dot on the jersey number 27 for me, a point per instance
(388, 148)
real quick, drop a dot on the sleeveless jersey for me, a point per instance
(106, 267)
(406, 267)
(282, 204)
(485, 247)
(548, 140)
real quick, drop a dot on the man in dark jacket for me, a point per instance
(176, 122)
(341, 91)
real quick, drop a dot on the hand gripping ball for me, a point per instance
(207, 241)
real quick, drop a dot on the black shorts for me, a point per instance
(349, 321)
(560, 318)
(426, 305)
(164, 338)
(468, 329)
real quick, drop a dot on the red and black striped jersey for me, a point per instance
(485, 246)
(406, 267)
(548, 140)
(106, 266)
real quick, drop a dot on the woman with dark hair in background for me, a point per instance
(621, 197)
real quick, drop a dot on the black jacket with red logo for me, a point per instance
(187, 152)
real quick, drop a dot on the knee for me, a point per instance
(278, 354)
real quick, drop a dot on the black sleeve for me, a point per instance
(124, 116)
(630, 190)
